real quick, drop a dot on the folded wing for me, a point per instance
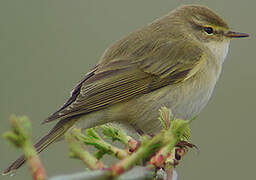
(125, 77)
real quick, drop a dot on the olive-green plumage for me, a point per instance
(174, 61)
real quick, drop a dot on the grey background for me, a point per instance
(47, 46)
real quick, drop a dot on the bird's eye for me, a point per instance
(208, 30)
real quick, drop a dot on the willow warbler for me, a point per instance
(175, 62)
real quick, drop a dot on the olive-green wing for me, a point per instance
(126, 77)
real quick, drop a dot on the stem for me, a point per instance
(147, 148)
(20, 137)
(93, 138)
(36, 168)
(77, 150)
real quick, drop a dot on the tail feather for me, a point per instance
(59, 129)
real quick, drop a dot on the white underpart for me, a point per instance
(219, 49)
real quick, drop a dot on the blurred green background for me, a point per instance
(47, 46)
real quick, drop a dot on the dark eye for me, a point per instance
(208, 30)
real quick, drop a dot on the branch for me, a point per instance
(138, 172)
(19, 136)
(152, 158)
(163, 144)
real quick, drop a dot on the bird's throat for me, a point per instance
(219, 50)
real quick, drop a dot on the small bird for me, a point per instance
(175, 62)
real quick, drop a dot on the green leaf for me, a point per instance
(92, 133)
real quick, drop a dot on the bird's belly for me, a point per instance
(185, 101)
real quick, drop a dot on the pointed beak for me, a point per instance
(232, 34)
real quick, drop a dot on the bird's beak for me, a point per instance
(232, 34)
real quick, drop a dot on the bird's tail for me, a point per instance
(57, 132)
